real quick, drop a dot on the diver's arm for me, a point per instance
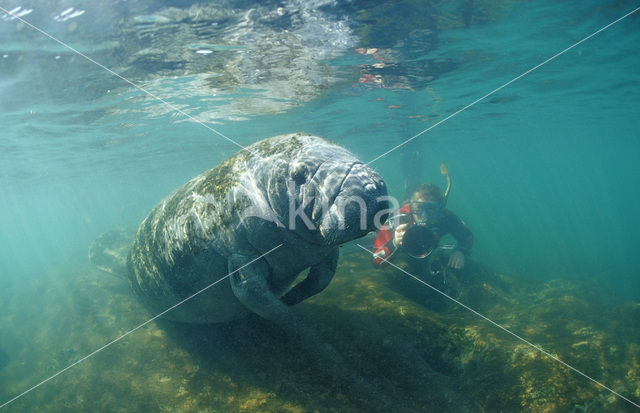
(460, 231)
(383, 247)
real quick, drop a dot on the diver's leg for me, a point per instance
(318, 279)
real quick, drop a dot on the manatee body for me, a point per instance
(297, 192)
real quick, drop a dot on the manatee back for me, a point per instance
(182, 247)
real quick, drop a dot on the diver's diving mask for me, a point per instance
(425, 211)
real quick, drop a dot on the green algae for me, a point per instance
(286, 148)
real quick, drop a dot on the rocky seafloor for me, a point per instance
(421, 351)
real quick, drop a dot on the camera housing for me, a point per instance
(419, 241)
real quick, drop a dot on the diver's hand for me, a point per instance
(456, 259)
(398, 234)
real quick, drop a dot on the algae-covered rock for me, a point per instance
(497, 371)
(109, 251)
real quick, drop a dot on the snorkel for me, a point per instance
(445, 171)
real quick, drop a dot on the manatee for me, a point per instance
(271, 211)
(297, 193)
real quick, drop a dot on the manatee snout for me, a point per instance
(360, 207)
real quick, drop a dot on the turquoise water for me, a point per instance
(544, 171)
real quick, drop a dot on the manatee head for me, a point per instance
(357, 200)
(321, 191)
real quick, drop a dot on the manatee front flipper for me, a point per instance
(250, 286)
(318, 279)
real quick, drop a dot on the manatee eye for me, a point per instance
(299, 173)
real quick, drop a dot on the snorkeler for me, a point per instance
(418, 226)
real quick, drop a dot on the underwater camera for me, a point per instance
(418, 241)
